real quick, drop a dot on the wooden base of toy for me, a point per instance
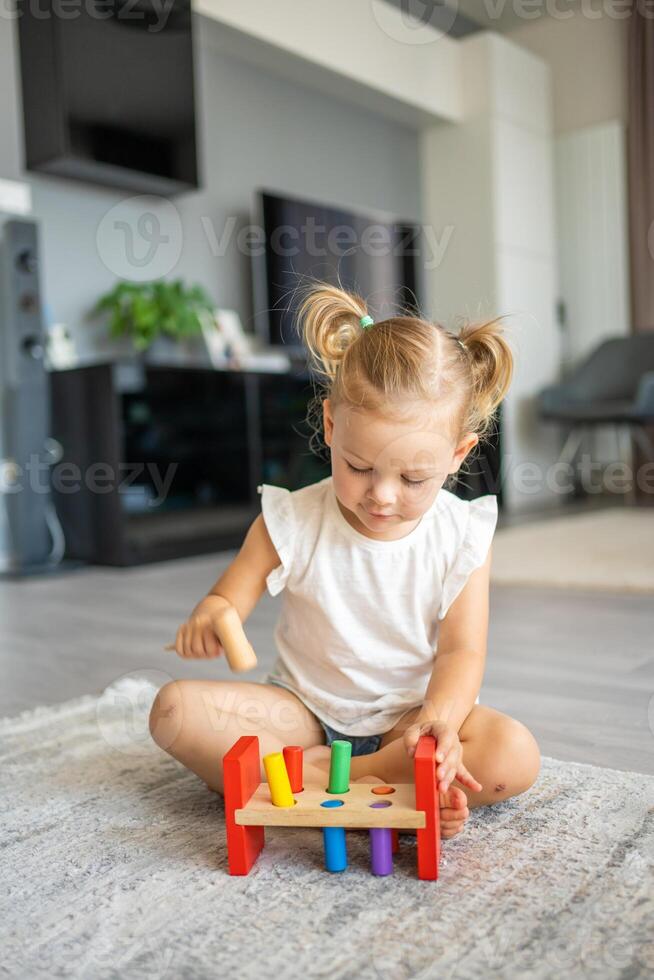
(356, 811)
(249, 808)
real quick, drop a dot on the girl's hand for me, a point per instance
(198, 637)
(449, 754)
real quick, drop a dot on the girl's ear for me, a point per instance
(466, 445)
(327, 420)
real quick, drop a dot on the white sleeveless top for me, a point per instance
(358, 627)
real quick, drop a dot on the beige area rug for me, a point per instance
(114, 866)
(610, 550)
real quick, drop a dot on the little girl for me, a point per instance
(383, 627)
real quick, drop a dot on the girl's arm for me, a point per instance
(244, 581)
(461, 654)
(456, 678)
(241, 585)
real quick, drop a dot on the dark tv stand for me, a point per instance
(218, 435)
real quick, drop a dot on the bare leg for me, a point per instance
(198, 721)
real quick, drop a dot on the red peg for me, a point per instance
(293, 756)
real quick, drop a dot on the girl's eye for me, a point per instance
(355, 470)
(409, 483)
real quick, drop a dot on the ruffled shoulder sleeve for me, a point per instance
(474, 529)
(280, 520)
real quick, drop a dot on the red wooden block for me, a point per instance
(429, 838)
(395, 837)
(241, 777)
(293, 758)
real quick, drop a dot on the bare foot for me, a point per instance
(454, 811)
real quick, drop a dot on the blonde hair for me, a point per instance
(402, 359)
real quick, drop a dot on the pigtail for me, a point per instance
(491, 366)
(328, 323)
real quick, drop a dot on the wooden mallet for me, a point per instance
(238, 650)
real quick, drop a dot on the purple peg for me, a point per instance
(381, 851)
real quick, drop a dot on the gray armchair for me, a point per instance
(614, 386)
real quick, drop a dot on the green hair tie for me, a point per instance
(366, 321)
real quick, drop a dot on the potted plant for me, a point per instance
(145, 312)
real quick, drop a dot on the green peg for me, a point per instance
(339, 767)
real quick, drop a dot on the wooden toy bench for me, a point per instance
(284, 801)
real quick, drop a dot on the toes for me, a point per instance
(453, 823)
(452, 826)
(454, 797)
(451, 831)
(447, 813)
(457, 798)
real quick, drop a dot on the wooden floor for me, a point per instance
(576, 667)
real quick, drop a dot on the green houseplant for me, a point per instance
(146, 311)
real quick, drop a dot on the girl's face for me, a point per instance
(386, 474)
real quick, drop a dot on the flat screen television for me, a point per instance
(374, 254)
(108, 93)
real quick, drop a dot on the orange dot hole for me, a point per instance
(383, 790)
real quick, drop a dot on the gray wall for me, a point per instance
(254, 130)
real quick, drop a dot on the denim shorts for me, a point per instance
(361, 744)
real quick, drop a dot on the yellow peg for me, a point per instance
(278, 781)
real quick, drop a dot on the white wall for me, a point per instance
(587, 56)
(593, 242)
(10, 156)
(497, 167)
(588, 60)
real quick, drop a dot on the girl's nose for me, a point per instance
(382, 493)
